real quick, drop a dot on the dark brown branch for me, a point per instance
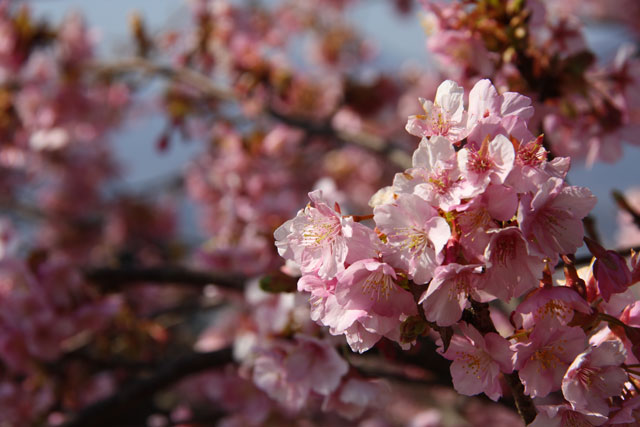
(107, 412)
(590, 229)
(623, 204)
(525, 405)
(112, 279)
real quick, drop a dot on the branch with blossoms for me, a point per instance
(465, 227)
(539, 49)
(206, 88)
(465, 274)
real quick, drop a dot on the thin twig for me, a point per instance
(207, 87)
(590, 228)
(623, 204)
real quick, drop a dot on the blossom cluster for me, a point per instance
(46, 312)
(99, 299)
(481, 216)
(587, 108)
(287, 363)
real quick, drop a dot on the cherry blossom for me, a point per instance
(543, 358)
(511, 270)
(593, 377)
(444, 117)
(435, 176)
(492, 162)
(493, 114)
(415, 233)
(316, 238)
(290, 373)
(551, 219)
(549, 305)
(449, 291)
(371, 286)
(478, 361)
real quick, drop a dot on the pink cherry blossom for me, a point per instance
(449, 290)
(491, 114)
(501, 201)
(484, 101)
(551, 220)
(474, 221)
(531, 168)
(511, 270)
(549, 306)
(543, 358)
(370, 285)
(316, 238)
(478, 361)
(415, 233)
(361, 328)
(492, 162)
(593, 377)
(289, 373)
(364, 333)
(435, 176)
(444, 117)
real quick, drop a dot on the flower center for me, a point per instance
(586, 375)
(475, 363)
(461, 285)
(554, 308)
(440, 181)
(438, 122)
(548, 356)
(320, 231)
(411, 239)
(531, 154)
(479, 163)
(378, 285)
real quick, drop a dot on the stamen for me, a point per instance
(320, 231)
(378, 285)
